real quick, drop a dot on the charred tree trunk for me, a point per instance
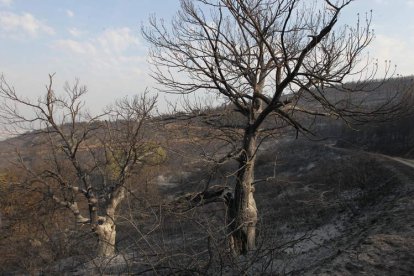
(242, 209)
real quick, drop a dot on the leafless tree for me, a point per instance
(86, 161)
(282, 59)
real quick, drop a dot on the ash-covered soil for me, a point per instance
(323, 210)
(346, 212)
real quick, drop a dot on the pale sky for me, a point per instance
(99, 42)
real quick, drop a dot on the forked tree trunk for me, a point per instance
(105, 227)
(242, 209)
(106, 233)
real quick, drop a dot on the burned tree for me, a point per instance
(279, 59)
(86, 162)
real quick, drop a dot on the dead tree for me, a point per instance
(84, 162)
(281, 59)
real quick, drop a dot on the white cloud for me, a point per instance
(75, 32)
(396, 49)
(111, 42)
(6, 2)
(70, 13)
(117, 40)
(111, 63)
(388, 46)
(13, 24)
(73, 46)
(109, 50)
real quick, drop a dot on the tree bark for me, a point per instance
(105, 227)
(106, 232)
(243, 211)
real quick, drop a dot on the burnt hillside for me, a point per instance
(337, 202)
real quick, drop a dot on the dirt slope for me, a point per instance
(381, 239)
(355, 210)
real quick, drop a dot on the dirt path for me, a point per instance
(379, 240)
(408, 162)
